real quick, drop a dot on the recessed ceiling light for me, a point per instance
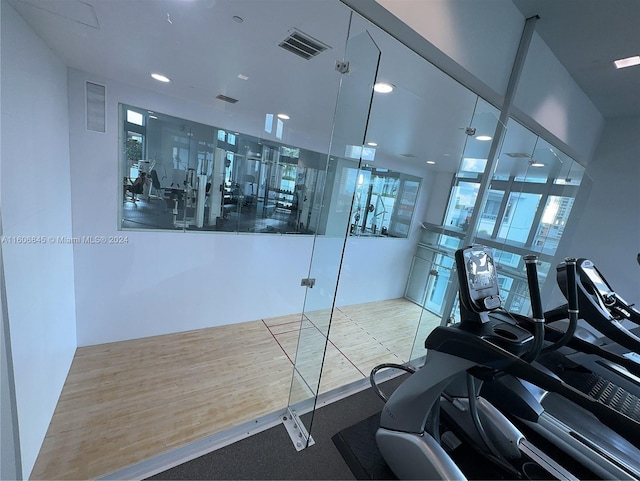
(627, 62)
(153, 117)
(483, 138)
(238, 19)
(160, 77)
(537, 164)
(372, 144)
(242, 77)
(283, 116)
(430, 162)
(383, 87)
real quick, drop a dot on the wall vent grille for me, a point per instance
(96, 110)
(303, 45)
(224, 98)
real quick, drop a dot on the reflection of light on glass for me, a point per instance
(222, 135)
(551, 211)
(134, 117)
(627, 62)
(279, 129)
(383, 87)
(358, 152)
(368, 153)
(484, 138)
(473, 165)
(290, 152)
(160, 77)
(360, 179)
(268, 123)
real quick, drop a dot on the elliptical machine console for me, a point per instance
(480, 281)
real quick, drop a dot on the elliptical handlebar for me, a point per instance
(572, 311)
(572, 285)
(531, 262)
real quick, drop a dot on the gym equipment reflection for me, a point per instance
(199, 177)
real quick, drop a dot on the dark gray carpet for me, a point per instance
(271, 455)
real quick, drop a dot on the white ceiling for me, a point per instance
(202, 49)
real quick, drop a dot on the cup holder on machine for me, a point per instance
(505, 334)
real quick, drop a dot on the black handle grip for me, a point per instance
(534, 288)
(572, 285)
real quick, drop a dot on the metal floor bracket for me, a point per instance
(297, 432)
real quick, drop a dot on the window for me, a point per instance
(206, 178)
(134, 117)
(526, 210)
(521, 210)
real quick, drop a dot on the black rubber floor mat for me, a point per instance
(357, 445)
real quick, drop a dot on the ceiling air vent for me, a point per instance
(224, 98)
(303, 45)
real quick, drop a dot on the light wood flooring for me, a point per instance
(128, 401)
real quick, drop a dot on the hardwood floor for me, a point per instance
(125, 402)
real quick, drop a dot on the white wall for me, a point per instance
(164, 282)
(548, 94)
(609, 229)
(36, 201)
(479, 36)
(480, 40)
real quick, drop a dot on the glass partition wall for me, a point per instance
(531, 196)
(391, 199)
(350, 124)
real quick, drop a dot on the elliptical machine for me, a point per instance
(605, 449)
(480, 347)
(409, 434)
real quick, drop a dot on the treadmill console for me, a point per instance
(478, 279)
(601, 307)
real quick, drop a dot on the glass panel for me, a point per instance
(463, 199)
(526, 210)
(518, 217)
(199, 177)
(551, 227)
(490, 213)
(440, 297)
(439, 281)
(384, 202)
(532, 195)
(352, 112)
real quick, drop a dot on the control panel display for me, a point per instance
(481, 279)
